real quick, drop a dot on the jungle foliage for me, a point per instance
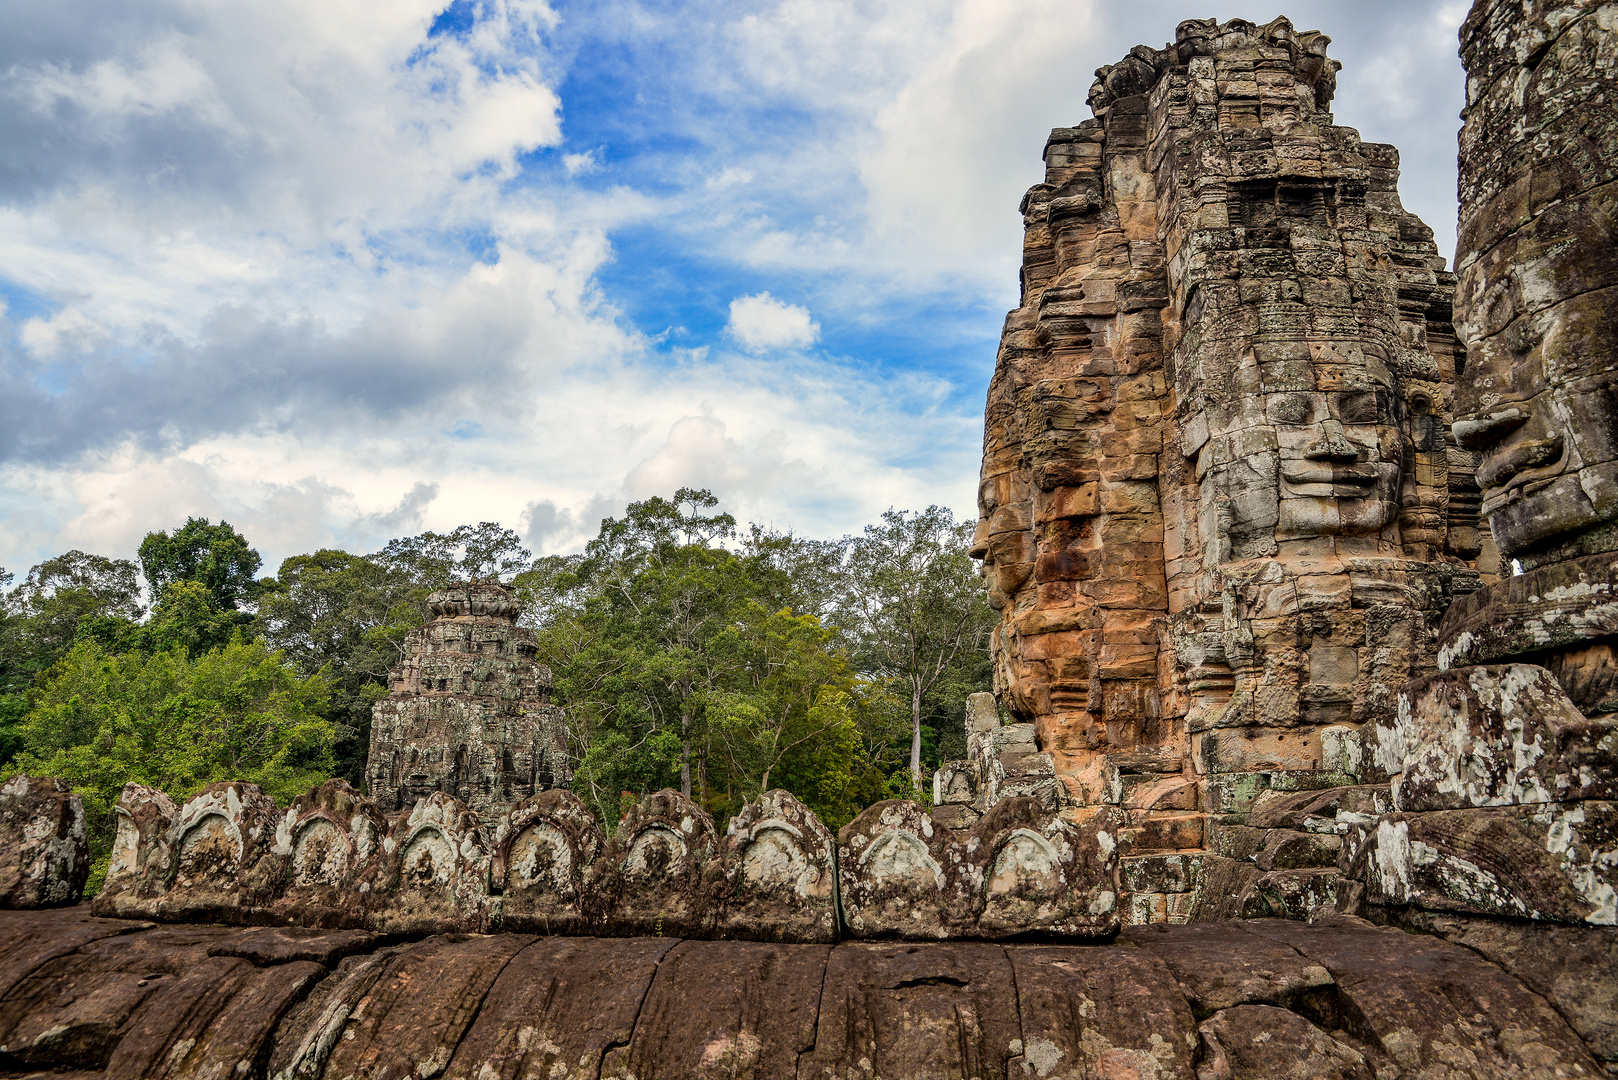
(688, 653)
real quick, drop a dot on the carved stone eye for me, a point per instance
(1289, 409)
(1369, 407)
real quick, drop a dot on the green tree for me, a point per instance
(348, 616)
(216, 556)
(185, 618)
(484, 550)
(914, 607)
(660, 594)
(681, 661)
(791, 691)
(74, 594)
(177, 723)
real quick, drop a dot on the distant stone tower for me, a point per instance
(469, 711)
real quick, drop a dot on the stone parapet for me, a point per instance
(334, 860)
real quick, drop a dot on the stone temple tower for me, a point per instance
(468, 711)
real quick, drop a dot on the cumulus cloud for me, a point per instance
(324, 268)
(762, 322)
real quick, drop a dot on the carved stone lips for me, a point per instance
(1322, 475)
(1509, 467)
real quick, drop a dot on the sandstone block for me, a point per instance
(1286, 849)
(226, 863)
(595, 990)
(140, 853)
(780, 878)
(982, 714)
(1153, 831)
(44, 855)
(893, 868)
(1219, 966)
(1261, 1042)
(1159, 873)
(1569, 966)
(726, 1009)
(1553, 861)
(420, 1006)
(1445, 1004)
(954, 816)
(1138, 1033)
(915, 1010)
(336, 866)
(659, 873)
(440, 881)
(955, 782)
(1326, 810)
(543, 849)
(1222, 885)
(1497, 736)
(1035, 871)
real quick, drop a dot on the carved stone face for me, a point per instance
(1539, 400)
(1305, 453)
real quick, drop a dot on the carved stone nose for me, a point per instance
(1332, 444)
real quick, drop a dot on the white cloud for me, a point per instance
(283, 261)
(762, 322)
(780, 441)
(582, 164)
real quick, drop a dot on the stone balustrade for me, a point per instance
(333, 860)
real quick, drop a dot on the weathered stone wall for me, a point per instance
(1340, 1000)
(333, 859)
(468, 712)
(1506, 764)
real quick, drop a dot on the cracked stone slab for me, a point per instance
(735, 1009)
(171, 1001)
(1429, 1005)
(1219, 965)
(409, 1022)
(558, 1008)
(1099, 1012)
(922, 1009)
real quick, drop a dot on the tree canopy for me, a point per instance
(177, 723)
(216, 557)
(688, 653)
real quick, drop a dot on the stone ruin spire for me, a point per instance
(1221, 512)
(468, 712)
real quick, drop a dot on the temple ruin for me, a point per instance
(468, 712)
(1309, 774)
(1221, 510)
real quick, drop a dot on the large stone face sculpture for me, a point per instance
(1538, 298)
(468, 713)
(1504, 764)
(1221, 514)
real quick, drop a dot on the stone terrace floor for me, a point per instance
(81, 996)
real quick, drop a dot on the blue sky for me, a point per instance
(343, 270)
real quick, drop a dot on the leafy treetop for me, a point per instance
(216, 556)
